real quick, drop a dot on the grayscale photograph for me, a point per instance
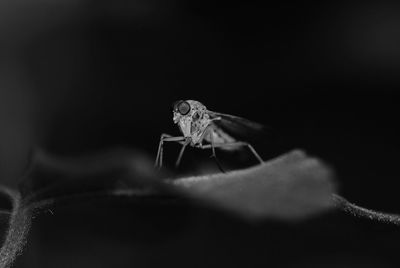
(213, 134)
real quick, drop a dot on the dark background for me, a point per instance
(80, 76)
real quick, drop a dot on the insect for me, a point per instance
(199, 125)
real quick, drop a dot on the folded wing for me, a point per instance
(239, 127)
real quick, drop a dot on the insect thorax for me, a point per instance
(195, 123)
(198, 128)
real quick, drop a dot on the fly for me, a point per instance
(198, 125)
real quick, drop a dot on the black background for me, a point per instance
(83, 76)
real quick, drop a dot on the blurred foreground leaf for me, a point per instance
(292, 186)
(50, 180)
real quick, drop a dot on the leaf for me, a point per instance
(19, 224)
(292, 186)
(361, 212)
(105, 173)
(50, 180)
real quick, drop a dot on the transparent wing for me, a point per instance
(238, 126)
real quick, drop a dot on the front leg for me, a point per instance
(165, 137)
(184, 144)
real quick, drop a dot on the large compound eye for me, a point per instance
(183, 107)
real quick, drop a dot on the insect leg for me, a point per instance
(178, 161)
(213, 153)
(238, 143)
(165, 137)
(209, 132)
(178, 139)
(254, 152)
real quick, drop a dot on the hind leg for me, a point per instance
(233, 144)
(211, 145)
